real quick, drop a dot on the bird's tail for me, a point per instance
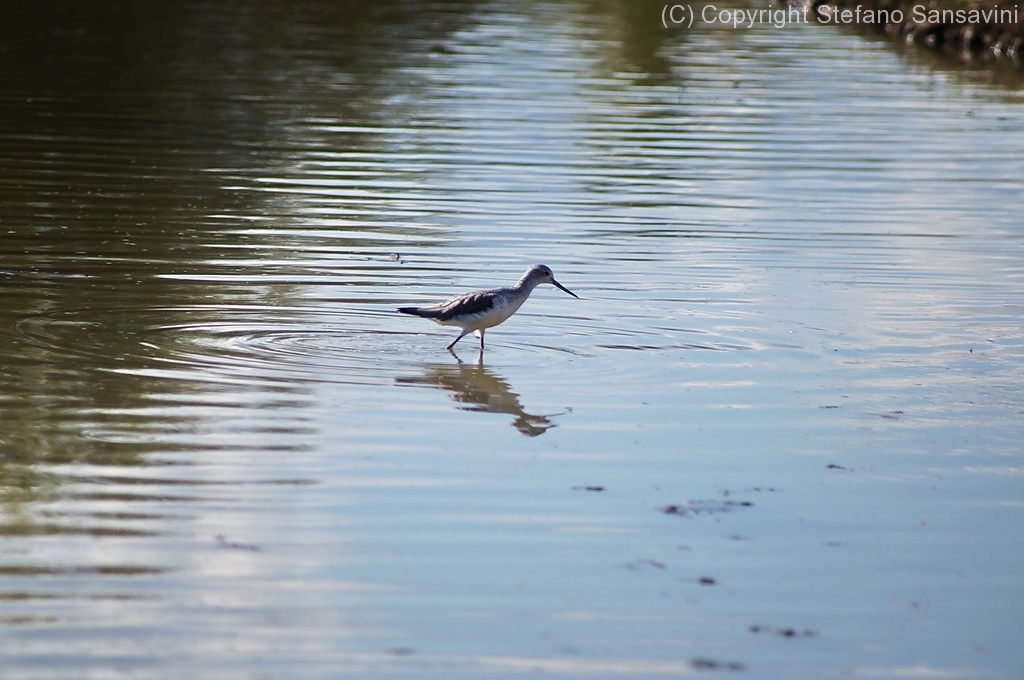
(425, 312)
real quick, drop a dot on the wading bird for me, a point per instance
(476, 312)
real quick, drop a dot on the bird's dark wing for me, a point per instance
(465, 305)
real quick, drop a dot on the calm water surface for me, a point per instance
(778, 436)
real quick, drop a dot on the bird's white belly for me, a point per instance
(501, 310)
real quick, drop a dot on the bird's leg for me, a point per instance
(461, 336)
(481, 334)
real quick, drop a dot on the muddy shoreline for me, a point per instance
(979, 30)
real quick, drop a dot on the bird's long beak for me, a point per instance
(556, 284)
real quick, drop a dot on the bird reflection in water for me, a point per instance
(478, 389)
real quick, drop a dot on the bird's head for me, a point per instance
(541, 273)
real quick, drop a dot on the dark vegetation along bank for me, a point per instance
(971, 29)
